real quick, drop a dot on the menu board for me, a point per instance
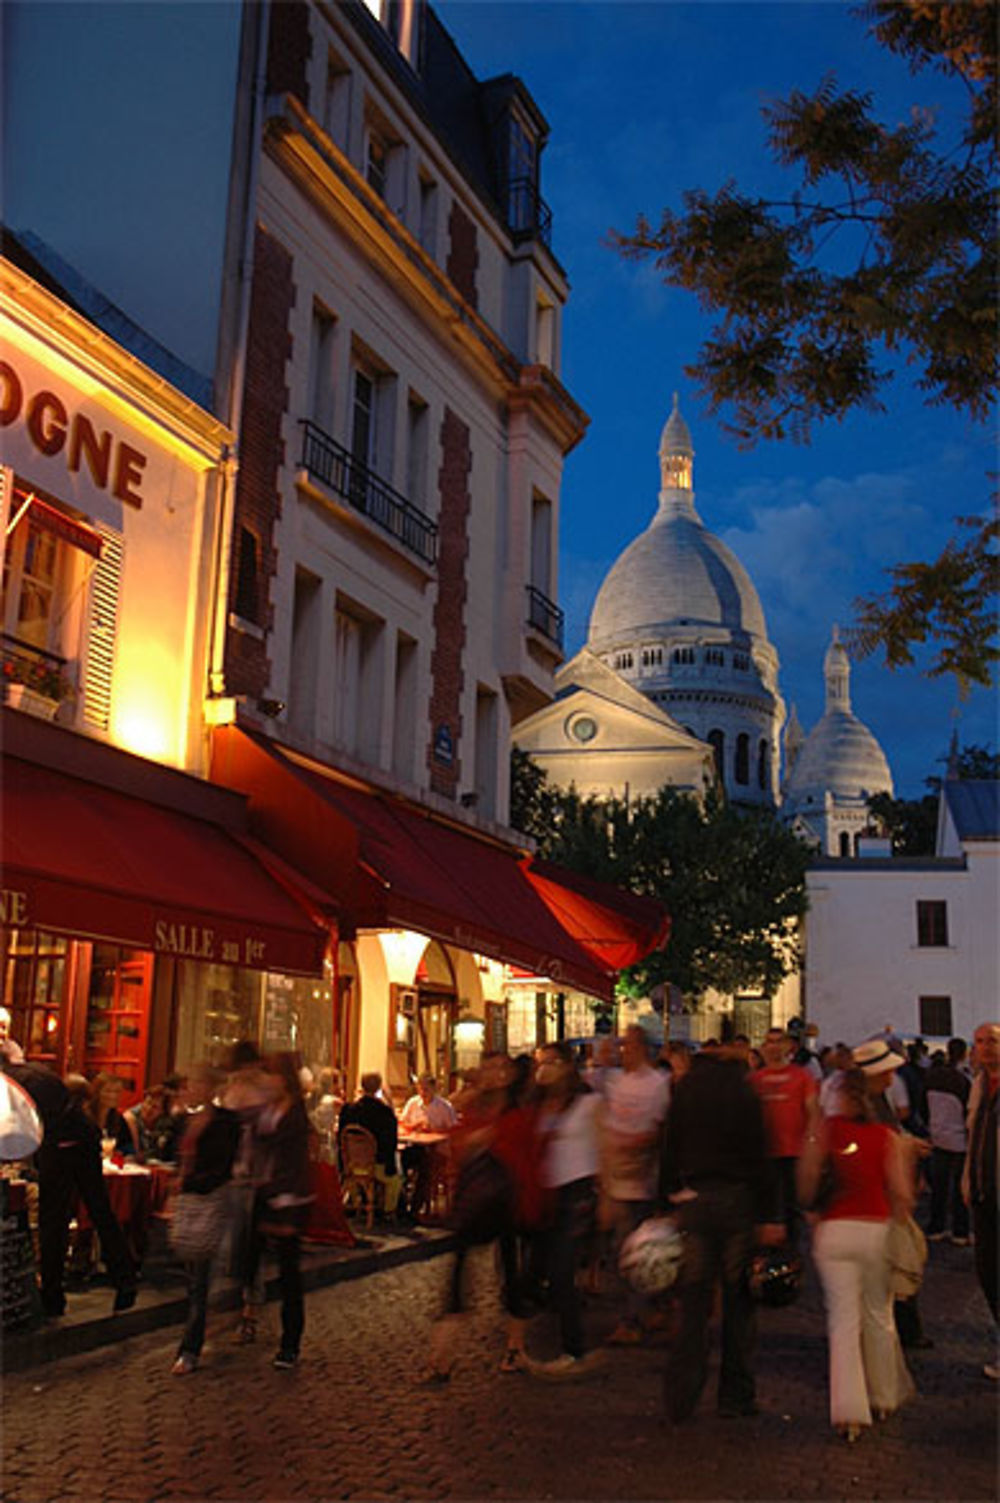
(19, 1302)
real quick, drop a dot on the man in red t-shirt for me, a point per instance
(789, 1097)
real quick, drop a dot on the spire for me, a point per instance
(676, 463)
(837, 673)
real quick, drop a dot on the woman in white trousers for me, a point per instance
(867, 1185)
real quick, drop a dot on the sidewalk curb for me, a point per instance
(23, 1351)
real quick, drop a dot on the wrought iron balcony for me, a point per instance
(545, 616)
(528, 215)
(339, 470)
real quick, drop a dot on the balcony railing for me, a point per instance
(338, 469)
(545, 616)
(528, 215)
(46, 673)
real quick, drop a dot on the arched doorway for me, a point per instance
(437, 1009)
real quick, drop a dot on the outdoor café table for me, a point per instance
(135, 1191)
(419, 1150)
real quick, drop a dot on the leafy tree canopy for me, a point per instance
(911, 824)
(884, 248)
(732, 879)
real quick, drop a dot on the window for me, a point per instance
(486, 751)
(247, 602)
(363, 433)
(932, 924)
(417, 430)
(541, 544)
(337, 105)
(845, 843)
(717, 741)
(321, 367)
(683, 654)
(762, 765)
(405, 707)
(304, 669)
(715, 656)
(741, 661)
(377, 163)
(742, 771)
(935, 1017)
(385, 163)
(357, 680)
(427, 231)
(521, 172)
(652, 656)
(545, 333)
(623, 660)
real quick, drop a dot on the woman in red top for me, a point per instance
(868, 1376)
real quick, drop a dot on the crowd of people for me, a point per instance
(557, 1159)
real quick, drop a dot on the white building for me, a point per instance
(679, 620)
(910, 944)
(831, 774)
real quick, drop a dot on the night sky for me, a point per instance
(645, 101)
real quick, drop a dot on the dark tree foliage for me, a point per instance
(911, 824)
(732, 879)
(884, 249)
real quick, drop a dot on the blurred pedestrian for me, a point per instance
(247, 1093)
(714, 1177)
(870, 1183)
(789, 1097)
(207, 1148)
(979, 1182)
(947, 1097)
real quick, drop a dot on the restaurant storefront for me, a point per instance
(141, 930)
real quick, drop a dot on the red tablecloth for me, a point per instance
(134, 1196)
(327, 1223)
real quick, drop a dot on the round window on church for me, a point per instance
(583, 728)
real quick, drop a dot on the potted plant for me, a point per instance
(35, 685)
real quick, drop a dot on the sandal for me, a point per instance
(850, 1433)
(513, 1361)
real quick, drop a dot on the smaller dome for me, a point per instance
(840, 755)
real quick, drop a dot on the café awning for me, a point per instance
(92, 862)
(617, 927)
(387, 862)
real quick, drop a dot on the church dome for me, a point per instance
(676, 572)
(840, 755)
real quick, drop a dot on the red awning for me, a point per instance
(615, 926)
(93, 863)
(389, 863)
(69, 529)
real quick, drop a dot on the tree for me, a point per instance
(732, 879)
(911, 824)
(885, 249)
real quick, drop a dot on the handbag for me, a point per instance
(906, 1252)
(197, 1224)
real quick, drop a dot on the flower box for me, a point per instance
(20, 697)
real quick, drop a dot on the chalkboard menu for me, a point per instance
(19, 1302)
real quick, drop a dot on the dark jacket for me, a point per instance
(380, 1120)
(209, 1162)
(284, 1155)
(714, 1133)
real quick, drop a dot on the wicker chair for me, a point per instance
(358, 1151)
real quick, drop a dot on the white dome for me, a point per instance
(840, 756)
(676, 572)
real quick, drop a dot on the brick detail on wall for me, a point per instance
(463, 252)
(289, 47)
(447, 675)
(258, 496)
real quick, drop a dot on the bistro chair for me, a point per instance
(358, 1151)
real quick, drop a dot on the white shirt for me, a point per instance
(571, 1142)
(436, 1115)
(637, 1103)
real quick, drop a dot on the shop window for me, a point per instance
(35, 993)
(935, 1017)
(932, 924)
(742, 766)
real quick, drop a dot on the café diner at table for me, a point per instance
(136, 1192)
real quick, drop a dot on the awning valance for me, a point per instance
(94, 863)
(389, 863)
(617, 927)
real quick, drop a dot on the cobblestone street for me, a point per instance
(355, 1421)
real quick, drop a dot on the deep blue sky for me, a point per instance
(644, 101)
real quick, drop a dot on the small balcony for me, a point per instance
(338, 469)
(545, 616)
(528, 215)
(33, 679)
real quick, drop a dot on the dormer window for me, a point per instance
(401, 19)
